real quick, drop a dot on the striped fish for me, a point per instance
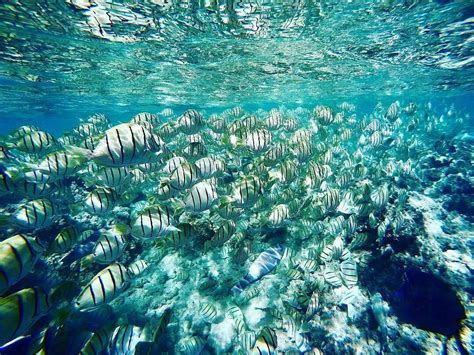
(59, 165)
(247, 191)
(201, 197)
(190, 345)
(380, 196)
(247, 341)
(190, 122)
(332, 276)
(137, 267)
(36, 142)
(152, 222)
(303, 150)
(308, 265)
(208, 312)
(19, 311)
(349, 272)
(259, 140)
(266, 342)
(113, 177)
(146, 117)
(290, 124)
(278, 215)
(172, 164)
(183, 234)
(126, 144)
(393, 111)
(32, 189)
(98, 342)
(264, 264)
(287, 172)
(103, 287)
(324, 115)
(275, 153)
(86, 129)
(167, 112)
(18, 255)
(184, 176)
(65, 240)
(313, 305)
(4, 154)
(293, 274)
(331, 199)
(210, 166)
(218, 125)
(101, 200)
(125, 339)
(110, 246)
(195, 150)
(35, 214)
(274, 119)
(225, 231)
(164, 191)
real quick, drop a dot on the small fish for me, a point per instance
(266, 343)
(190, 345)
(125, 339)
(190, 122)
(35, 214)
(65, 240)
(201, 197)
(103, 288)
(152, 222)
(102, 200)
(137, 267)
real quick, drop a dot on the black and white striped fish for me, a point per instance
(18, 255)
(113, 177)
(266, 343)
(264, 264)
(210, 166)
(208, 312)
(35, 214)
(278, 215)
(125, 339)
(126, 144)
(259, 140)
(324, 115)
(59, 165)
(98, 342)
(190, 122)
(110, 246)
(103, 287)
(101, 200)
(184, 176)
(201, 197)
(192, 345)
(152, 222)
(349, 272)
(36, 142)
(137, 267)
(65, 240)
(19, 311)
(247, 191)
(33, 190)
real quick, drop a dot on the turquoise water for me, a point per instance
(236, 177)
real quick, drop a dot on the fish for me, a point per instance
(123, 145)
(266, 343)
(125, 338)
(152, 222)
(20, 310)
(264, 264)
(18, 255)
(37, 213)
(103, 288)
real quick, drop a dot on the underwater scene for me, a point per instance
(236, 177)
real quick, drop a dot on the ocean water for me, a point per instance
(233, 177)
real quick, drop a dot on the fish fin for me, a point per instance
(86, 261)
(79, 152)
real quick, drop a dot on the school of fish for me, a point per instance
(300, 193)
